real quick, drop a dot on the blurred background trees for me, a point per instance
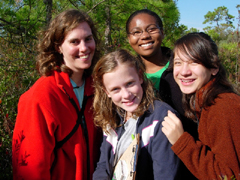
(21, 20)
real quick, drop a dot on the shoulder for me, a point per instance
(160, 110)
(89, 89)
(225, 110)
(227, 101)
(158, 104)
(44, 89)
(166, 52)
(42, 85)
(162, 106)
(229, 97)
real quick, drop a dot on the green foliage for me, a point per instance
(111, 16)
(17, 75)
(225, 178)
(229, 53)
(227, 40)
(19, 25)
(218, 15)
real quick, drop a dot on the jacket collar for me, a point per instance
(63, 82)
(200, 95)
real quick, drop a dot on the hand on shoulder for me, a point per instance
(172, 127)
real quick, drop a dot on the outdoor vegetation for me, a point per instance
(21, 20)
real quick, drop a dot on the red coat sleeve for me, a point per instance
(33, 141)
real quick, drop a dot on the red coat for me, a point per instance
(217, 153)
(45, 115)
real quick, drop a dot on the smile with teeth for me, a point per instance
(187, 80)
(129, 102)
(148, 44)
(84, 57)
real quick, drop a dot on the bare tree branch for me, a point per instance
(74, 4)
(82, 2)
(3, 20)
(95, 6)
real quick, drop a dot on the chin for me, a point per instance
(187, 91)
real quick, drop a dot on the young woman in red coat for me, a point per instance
(210, 100)
(54, 137)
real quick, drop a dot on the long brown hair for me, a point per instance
(105, 111)
(200, 48)
(49, 58)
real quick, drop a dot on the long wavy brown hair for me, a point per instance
(105, 111)
(49, 58)
(200, 48)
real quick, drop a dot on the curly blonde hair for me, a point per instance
(49, 58)
(105, 111)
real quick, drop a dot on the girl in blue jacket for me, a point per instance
(124, 106)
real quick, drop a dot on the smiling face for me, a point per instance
(78, 48)
(189, 75)
(123, 86)
(146, 44)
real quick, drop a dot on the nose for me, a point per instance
(145, 35)
(185, 69)
(126, 93)
(83, 46)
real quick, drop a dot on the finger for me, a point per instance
(169, 120)
(173, 116)
(166, 125)
(164, 131)
(176, 122)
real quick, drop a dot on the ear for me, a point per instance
(162, 32)
(214, 71)
(59, 49)
(140, 76)
(107, 93)
(128, 38)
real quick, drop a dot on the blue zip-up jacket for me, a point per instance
(156, 160)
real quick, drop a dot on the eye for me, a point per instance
(130, 83)
(152, 29)
(89, 38)
(75, 41)
(115, 90)
(177, 62)
(194, 63)
(136, 33)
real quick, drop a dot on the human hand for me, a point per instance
(172, 127)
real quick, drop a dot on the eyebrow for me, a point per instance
(146, 27)
(177, 58)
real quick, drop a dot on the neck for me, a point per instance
(127, 116)
(78, 78)
(155, 62)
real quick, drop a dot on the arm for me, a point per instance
(101, 170)
(33, 142)
(218, 151)
(165, 162)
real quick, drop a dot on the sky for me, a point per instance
(192, 11)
